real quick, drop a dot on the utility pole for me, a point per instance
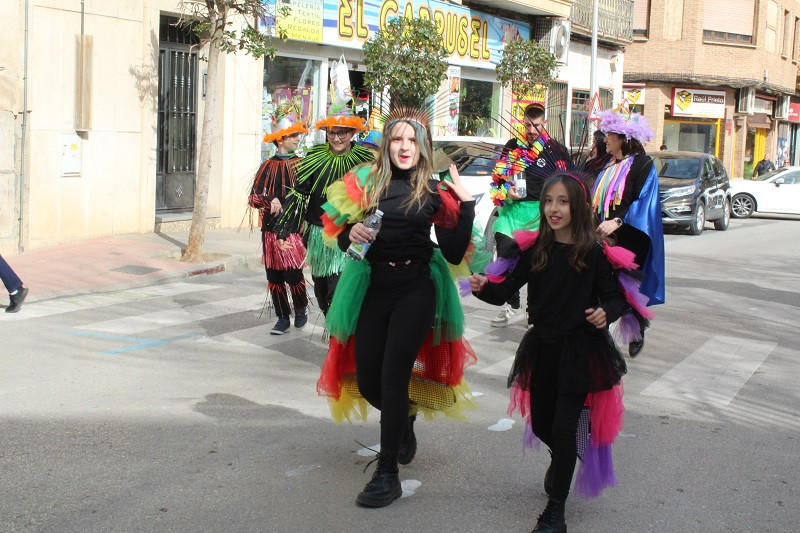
(593, 71)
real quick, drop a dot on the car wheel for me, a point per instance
(743, 206)
(698, 219)
(722, 223)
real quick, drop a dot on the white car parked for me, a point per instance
(475, 158)
(774, 192)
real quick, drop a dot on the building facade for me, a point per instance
(718, 76)
(102, 101)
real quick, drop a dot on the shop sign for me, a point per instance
(472, 38)
(698, 103)
(794, 112)
(302, 20)
(634, 95)
(762, 105)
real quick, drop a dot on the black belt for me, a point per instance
(399, 263)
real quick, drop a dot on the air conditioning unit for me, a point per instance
(781, 110)
(747, 100)
(553, 34)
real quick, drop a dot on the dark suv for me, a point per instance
(694, 188)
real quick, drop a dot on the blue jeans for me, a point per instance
(9, 277)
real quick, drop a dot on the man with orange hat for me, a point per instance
(274, 179)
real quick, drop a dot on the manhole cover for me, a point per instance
(137, 270)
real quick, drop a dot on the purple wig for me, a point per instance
(633, 126)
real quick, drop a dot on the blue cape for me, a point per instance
(645, 215)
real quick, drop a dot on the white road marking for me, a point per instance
(504, 424)
(90, 301)
(500, 368)
(410, 486)
(714, 373)
(370, 451)
(173, 317)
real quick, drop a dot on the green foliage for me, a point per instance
(524, 65)
(408, 57)
(213, 23)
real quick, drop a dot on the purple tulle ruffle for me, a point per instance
(596, 471)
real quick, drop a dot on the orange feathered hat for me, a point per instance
(284, 123)
(341, 116)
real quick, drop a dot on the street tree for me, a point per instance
(525, 65)
(408, 57)
(225, 26)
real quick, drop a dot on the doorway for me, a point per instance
(176, 148)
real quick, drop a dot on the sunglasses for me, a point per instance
(340, 134)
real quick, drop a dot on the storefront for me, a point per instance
(695, 120)
(319, 33)
(794, 131)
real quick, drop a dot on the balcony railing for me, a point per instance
(615, 20)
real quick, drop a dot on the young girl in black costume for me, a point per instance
(396, 320)
(568, 353)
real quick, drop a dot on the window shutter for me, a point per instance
(640, 8)
(729, 16)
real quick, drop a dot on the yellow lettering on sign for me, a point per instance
(424, 13)
(389, 9)
(343, 25)
(486, 53)
(438, 20)
(409, 12)
(361, 27)
(463, 37)
(451, 32)
(474, 38)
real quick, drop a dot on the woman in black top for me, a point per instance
(406, 341)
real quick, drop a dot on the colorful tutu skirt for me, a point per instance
(274, 258)
(437, 380)
(598, 353)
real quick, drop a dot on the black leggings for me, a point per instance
(396, 316)
(277, 282)
(323, 290)
(507, 247)
(555, 409)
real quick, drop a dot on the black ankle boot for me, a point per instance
(384, 488)
(408, 446)
(552, 519)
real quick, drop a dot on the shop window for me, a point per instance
(690, 136)
(478, 109)
(795, 39)
(289, 82)
(606, 98)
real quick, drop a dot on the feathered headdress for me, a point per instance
(343, 117)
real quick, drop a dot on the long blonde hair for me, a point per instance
(381, 172)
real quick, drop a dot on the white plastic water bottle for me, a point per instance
(521, 184)
(357, 251)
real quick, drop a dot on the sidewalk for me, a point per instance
(134, 260)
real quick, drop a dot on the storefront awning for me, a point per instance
(759, 120)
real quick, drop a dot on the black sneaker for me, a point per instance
(301, 319)
(15, 300)
(281, 326)
(635, 347)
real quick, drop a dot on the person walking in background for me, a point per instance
(626, 202)
(275, 177)
(322, 165)
(598, 156)
(396, 320)
(516, 211)
(568, 352)
(17, 292)
(763, 166)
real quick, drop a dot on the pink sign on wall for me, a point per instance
(794, 112)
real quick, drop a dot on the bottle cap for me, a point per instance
(379, 212)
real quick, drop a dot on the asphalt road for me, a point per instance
(171, 408)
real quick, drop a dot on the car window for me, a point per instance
(707, 169)
(719, 169)
(791, 177)
(472, 166)
(681, 168)
(766, 175)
